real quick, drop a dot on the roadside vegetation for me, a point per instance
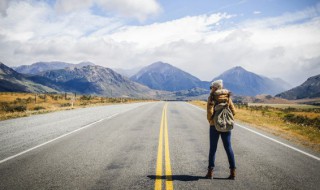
(13, 105)
(294, 122)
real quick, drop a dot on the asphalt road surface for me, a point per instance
(144, 146)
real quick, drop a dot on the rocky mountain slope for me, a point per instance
(243, 82)
(92, 80)
(163, 76)
(309, 89)
(39, 67)
(12, 81)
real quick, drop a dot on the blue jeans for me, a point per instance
(226, 139)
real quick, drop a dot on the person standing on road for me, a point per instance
(219, 95)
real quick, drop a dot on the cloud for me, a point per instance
(3, 6)
(66, 6)
(137, 9)
(188, 28)
(286, 46)
(256, 12)
(140, 9)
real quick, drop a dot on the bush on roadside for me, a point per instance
(302, 120)
(12, 108)
(39, 108)
(84, 97)
(65, 105)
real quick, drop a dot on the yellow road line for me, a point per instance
(159, 158)
(169, 184)
(168, 172)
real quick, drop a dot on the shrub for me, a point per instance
(42, 96)
(65, 105)
(12, 108)
(302, 120)
(19, 108)
(84, 97)
(39, 108)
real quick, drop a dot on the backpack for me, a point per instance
(223, 118)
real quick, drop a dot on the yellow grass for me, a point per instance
(302, 106)
(40, 103)
(271, 122)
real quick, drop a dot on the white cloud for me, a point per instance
(256, 12)
(282, 47)
(138, 9)
(66, 6)
(190, 29)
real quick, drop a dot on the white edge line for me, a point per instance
(274, 140)
(64, 135)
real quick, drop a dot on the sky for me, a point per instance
(274, 38)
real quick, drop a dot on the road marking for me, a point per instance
(168, 172)
(158, 182)
(279, 142)
(169, 185)
(64, 135)
(274, 140)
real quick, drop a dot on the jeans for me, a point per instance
(226, 139)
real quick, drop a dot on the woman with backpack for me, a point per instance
(219, 96)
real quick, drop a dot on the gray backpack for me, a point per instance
(223, 118)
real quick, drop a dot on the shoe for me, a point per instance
(232, 174)
(210, 173)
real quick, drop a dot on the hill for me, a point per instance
(308, 89)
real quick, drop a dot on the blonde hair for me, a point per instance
(218, 84)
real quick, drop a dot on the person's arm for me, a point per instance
(231, 106)
(209, 109)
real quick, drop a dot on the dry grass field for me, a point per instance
(13, 105)
(297, 123)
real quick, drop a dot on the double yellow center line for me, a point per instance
(168, 172)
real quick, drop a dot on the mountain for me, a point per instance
(39, 67)
(243, 82)
(127, 72)
(163, 76)
(309, 89)
(12, 81)
(92, 80)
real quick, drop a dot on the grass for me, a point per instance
(14, 105)
(302, 106)
(299, 124)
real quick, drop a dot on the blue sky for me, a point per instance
(275, 38)
(247, 9)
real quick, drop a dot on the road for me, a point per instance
(143, 146)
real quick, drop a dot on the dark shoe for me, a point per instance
(232, 174)
(210, 173)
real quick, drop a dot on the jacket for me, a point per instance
(219, 96)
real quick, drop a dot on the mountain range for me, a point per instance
(48, 66)
(89, 79)
(158, 80)
(163, 76)
(92, 79)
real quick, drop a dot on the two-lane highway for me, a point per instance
(142, 146)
